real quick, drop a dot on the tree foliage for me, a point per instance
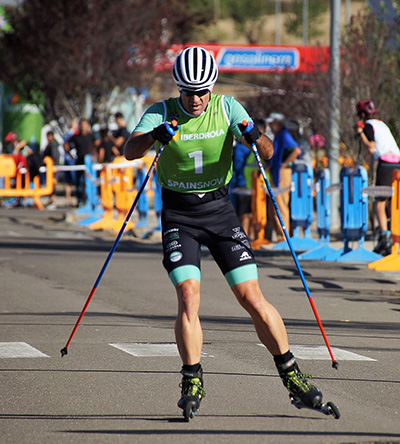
(294, 21)
(296, 95)
(247, 16)
(369, 69)
(69, 51)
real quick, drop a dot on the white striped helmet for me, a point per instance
(195, 68)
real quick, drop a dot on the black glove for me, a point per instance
(163, 133)
(250, 132)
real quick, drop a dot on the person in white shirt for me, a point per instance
(377, 138)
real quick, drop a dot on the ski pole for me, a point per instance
(335, 364)
(64, 350)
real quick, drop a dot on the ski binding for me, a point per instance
(327, 409)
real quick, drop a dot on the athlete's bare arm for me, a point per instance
(369, 144)
(264, 146)
(138, 145)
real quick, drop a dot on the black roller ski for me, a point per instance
(327, 409)
(189, 410)
(192, 393)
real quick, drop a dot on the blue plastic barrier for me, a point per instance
(91, 207)
(323, 208)
(301, 209)
(354, 217)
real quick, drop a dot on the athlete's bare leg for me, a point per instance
(381, 214)
(188, 332)
(267, 321)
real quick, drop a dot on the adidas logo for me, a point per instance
(244, 256)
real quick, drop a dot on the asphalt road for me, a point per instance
(127, 391)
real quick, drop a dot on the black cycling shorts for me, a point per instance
(384, 174)
(189, 222)
(242, 202)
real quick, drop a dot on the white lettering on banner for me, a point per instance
(259, 59)
(196, 185)
(201, 136)
(23, 108)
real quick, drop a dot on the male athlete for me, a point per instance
(194, 170)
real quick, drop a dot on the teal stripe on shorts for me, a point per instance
(242, 274)
(183, 273)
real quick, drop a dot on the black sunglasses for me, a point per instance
(191, 92)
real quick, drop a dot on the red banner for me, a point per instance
(257, 58)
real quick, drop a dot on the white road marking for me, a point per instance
(320, 353)
(10, 233)
(19, 350)
(14, 234)
(67, 235)
(150, 350)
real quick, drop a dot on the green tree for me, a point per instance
(248, 16)
(294, 21)
(68, 53)
(370, 70)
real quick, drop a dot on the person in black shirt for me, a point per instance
(83, 142)
(106, 149)
(121, 135)
(51, 150)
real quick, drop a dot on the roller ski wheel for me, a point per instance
(192, 393)
(327, 409)
(190, 410)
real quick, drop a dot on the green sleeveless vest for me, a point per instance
(200, 160)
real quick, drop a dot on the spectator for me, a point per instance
(73, 129)
(376, 136)
(286, 150)
(121, 135)
(243, 164)
(24, 157)
(10, 139)
(69, 160)
(83, 143)
(294, 129)
(107, 151)
(51, 150)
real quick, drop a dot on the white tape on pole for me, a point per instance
(378, 191)
(278, 190)
(333, 187)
